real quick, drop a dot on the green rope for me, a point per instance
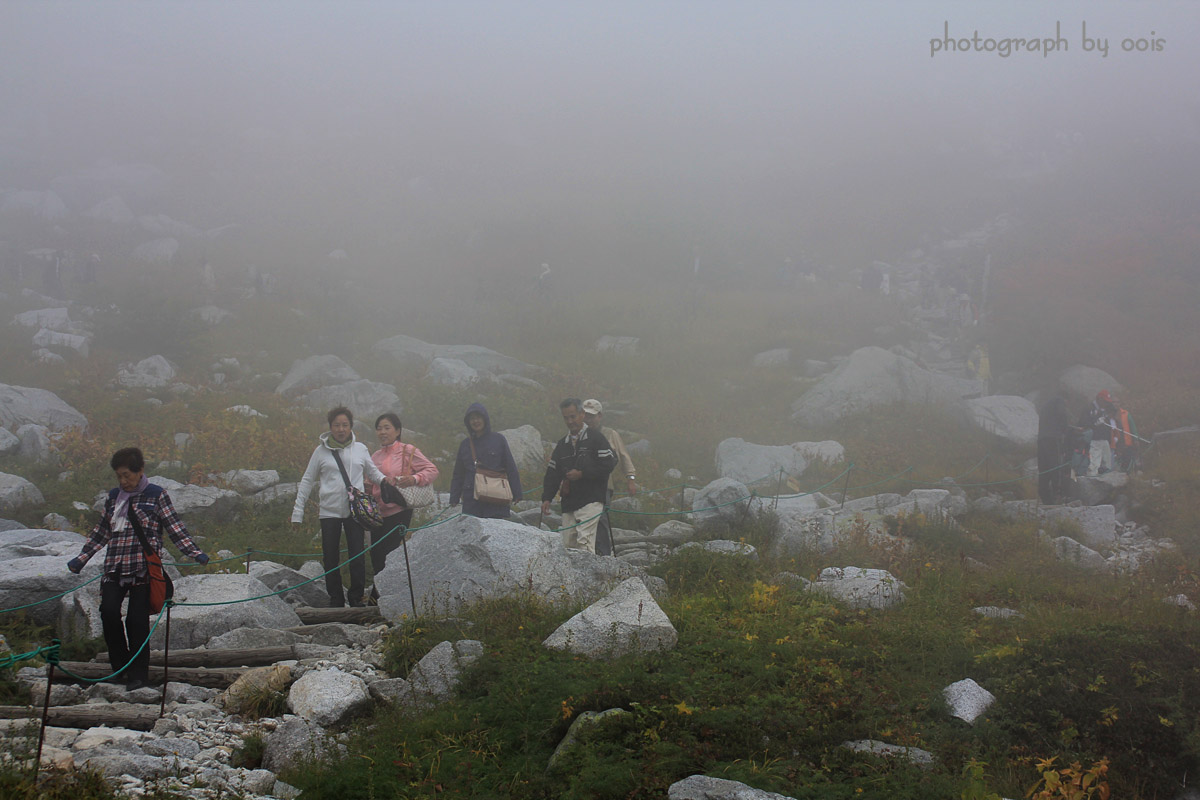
(287, 589)
(8, 662)
(55, 597)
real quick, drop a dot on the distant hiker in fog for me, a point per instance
(407, 466)
(137, 514)
(578, 470)
(980, 367)
(541, 284)
(1123, 437)
(1054, 431)
(1098, 422)
(482, 449)
(593, 415)
(338, 460)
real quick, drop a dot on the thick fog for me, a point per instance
(601, 138)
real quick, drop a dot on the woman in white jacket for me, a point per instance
(323, 473)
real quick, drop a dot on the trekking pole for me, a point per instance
(1123, 432)
(162, 705)
(50, 662)
(404, 541)
(846, 486)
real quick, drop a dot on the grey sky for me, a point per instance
(697, 106)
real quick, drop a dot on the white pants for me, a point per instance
(1100, 457)
(579, 527)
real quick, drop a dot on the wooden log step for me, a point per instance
(134, 716)
(365, 615)
(245, 657)
(208, 678)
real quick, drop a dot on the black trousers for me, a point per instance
(380, 551)
(1052, 483)
(331, 546)
(123, 640)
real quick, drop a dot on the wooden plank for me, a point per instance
(209, 678)
(364, 615)
(117, 715)
(246, 657)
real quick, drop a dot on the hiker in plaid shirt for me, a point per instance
(125, 568)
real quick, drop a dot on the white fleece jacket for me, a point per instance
(323, 473)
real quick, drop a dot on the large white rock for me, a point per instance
(22, 542)
(17, 493)
(751, 463)
(922, 758)
(9, 443)
(295, 743)
(1082, 383)
(65, 342)
(860, 588)
(328, 696)
(408, 350)
(194, 625)
(438, 673)
(35, 579)
(35, 445)
(314, 372)
(203, 502)
(452, 372)
(249, 481)
(1097, 524)
(1068, 550)
(619, 345)
(872, 377)
(723, 499)
(153, 372)
(526, 445)
(467, 559)
(1012, 418)
(304, 591)
(627, 620)
(55, 319)
(703, 787)
(157, 251)
(967, 700)
(367, 399)
(20, 405)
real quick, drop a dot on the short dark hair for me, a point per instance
(130, 458)
(340, 411)
(571, 401)
(391, 417)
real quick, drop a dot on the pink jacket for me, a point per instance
(399, 459)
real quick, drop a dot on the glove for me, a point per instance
(75, 565)
(202, 559)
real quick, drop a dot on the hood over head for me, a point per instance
(477, 408)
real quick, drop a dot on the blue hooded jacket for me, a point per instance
(493, 452)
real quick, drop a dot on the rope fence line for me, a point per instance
(436, 521)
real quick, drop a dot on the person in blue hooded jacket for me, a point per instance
(492, 451)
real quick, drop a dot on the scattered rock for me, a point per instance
(860, 588)
(967, 700)
(627, 620)
(328, 697)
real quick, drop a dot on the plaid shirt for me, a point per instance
(125, 558)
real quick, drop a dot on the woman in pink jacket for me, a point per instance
(409, 467)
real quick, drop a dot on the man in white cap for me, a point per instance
(593, 414)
